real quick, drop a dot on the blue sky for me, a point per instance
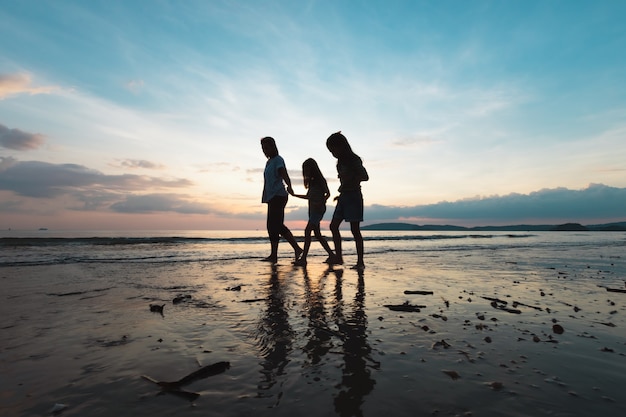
(148, 114)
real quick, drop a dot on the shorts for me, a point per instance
(349, 206)
(315, 217)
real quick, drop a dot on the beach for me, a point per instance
(526, 327)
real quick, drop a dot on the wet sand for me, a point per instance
(517, 333)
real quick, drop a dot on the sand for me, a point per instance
(511, 334)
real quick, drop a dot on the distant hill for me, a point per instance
(609, 227)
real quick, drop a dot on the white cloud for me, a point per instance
(21, 83)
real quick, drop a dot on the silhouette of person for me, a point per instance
(317, 195)
(275, 195)
(349, 206)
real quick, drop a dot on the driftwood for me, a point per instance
(405, 307)
(518, 303)
(253, 300)
(502, 305)
(419, 292)
(174, 387)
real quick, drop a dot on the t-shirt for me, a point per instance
(316, 196)
(273, 183)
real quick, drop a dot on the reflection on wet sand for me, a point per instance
(356, 382)
(274, 336)
(332, 325)
(318, 334)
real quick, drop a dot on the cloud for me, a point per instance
(11, 84)
(150, 203)
(19, 140)
(77, 187)
(597, 201)
(134, 86)
(7, 162)
(412, 141)
(45, 180)
(140, 163)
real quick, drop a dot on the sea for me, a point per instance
(50, 247)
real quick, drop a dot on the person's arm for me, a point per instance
(362, 173)
(285, 176)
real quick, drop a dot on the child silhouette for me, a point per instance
(317, 195)
(350, 200)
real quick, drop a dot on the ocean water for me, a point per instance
(45, 247)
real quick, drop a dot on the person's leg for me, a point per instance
(353, 213)
(334, 228)
(307, 245)
(322, 240)
(286, 233)
(273, 228)
(355, 227)
(307, 240)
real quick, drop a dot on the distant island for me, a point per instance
(567, 227)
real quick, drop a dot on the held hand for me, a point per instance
(289, 189)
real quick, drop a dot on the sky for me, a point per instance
(148, 114)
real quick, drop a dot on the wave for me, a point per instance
(111, 241)
(177, 240)
(173, 259)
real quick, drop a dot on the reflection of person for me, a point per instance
(320, 336)
(275, 195)
(275, 336)
(317, 195)
(350, 200)
(357, 380)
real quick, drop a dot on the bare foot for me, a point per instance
(271, 259)
(300, 262)
(334, 260)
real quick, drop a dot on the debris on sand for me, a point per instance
(452, 374)
(518, 303)
(502, 305)
(442, 343)
(180, 298)
(496, 385)
(253, 300)
(558, 329)
(609, 324)
(418, 292)
(156, 308)
(174, 387)
(405, 307)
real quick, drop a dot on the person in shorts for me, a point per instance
(349, 206)
(317, 195)
(275, 196)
